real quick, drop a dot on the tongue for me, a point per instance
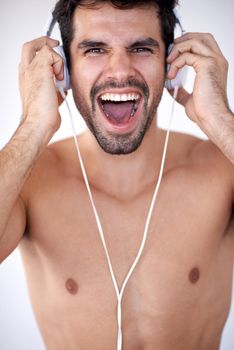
(118, 112)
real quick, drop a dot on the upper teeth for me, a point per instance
(120, 97)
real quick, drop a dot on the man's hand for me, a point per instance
(208, 104)
(39, 65)
(209, 97)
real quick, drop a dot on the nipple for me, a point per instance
(71, 286)
(194, 275)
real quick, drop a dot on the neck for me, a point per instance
(126, 175)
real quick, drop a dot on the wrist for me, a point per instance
(39, 133)
(221, 132)
(219, 124)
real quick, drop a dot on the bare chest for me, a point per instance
(185, 265)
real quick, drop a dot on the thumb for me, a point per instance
(185, 99)
(182, 96)
(58, 69)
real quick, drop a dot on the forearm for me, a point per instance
(39, 63)
(16, 161)
(221, 132)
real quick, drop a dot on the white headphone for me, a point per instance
(64, 84)
(181, 76)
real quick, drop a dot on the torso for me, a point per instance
(180, 292)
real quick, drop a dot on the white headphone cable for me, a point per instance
(119, 294)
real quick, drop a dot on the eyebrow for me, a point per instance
(91, 43)
(140, 42)
(145, 42)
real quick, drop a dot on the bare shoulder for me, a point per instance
(203, 155)
(199, 151)
(208, 154)
(59, 157)
(52, 167)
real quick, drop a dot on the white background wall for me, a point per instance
(22, 21)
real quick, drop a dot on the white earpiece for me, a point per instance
(180, 78)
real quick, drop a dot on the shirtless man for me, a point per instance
(180, 292)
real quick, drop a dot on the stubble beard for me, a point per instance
(117, 144)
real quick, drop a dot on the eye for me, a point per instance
(142, 50)
(94, 51)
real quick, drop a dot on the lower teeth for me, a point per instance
(134, 109)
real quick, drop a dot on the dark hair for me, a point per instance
(64, 11)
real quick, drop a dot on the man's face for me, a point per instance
(117, 73)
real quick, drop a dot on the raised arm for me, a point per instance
(41, 119)
(208, 104)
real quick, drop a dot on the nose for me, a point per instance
(120, 67)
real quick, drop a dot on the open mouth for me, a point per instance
(119, 109)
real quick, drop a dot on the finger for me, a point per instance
(48, 58)
(206, 38)
(192, 46)
(190, 59)
(31, 48)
